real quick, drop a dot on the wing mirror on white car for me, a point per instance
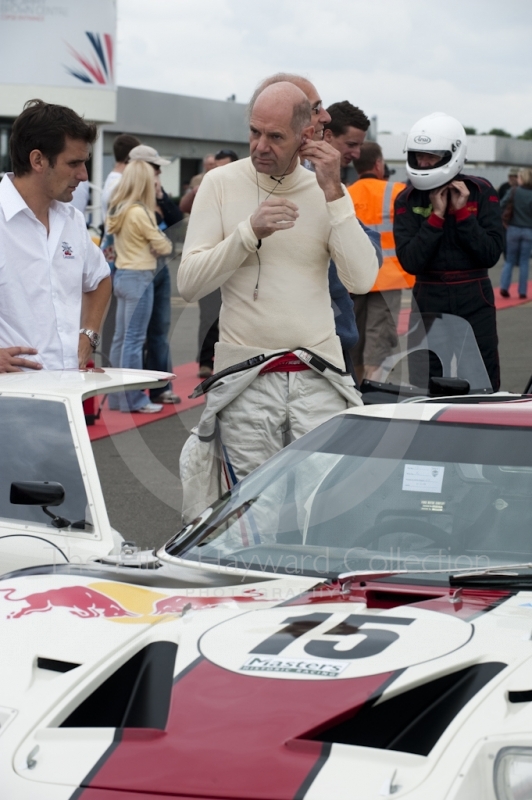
(40, 493)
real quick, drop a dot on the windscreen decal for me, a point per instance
(423, 478)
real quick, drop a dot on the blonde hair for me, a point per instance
(137, 185)
(525, 173)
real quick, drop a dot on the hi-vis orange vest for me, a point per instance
(374, 200)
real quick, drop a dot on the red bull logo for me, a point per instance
(79, 600)
(117, 602)
(176, 604)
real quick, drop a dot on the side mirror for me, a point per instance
(36, 493)
(448, 387)
(40, 493)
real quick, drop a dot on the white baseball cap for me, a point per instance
(142, 152)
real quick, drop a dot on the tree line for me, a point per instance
(498, 132)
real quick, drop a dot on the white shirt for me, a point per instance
(43, 277)
(110, 182)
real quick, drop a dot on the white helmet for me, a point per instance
(441, 135)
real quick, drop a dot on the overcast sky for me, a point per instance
(398, 59)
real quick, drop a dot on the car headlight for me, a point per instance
(512, 773)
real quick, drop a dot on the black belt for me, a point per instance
(313, 360)
(459, 276)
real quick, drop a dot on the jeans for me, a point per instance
(157, 352)
(518, 249)
(208, 328)
(133, 290)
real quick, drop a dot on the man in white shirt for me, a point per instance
(264, 229)
(55, 284)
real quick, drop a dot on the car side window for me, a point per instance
(37, 445)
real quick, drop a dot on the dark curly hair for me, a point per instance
(45, 126)
(344, 116)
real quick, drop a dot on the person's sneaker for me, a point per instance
(168, 397)
(522, 296)
(505, 293)
(150, 408)
(204, 372)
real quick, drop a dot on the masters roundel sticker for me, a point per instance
(297, 642)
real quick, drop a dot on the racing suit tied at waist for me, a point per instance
(201, 456)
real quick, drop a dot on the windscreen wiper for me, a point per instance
(509, 577)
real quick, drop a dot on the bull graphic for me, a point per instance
(79, 600)
(175, 604)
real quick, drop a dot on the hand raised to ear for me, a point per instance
(458, 195)
(439, 198)
(326, 161)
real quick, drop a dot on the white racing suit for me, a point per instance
(249, 417)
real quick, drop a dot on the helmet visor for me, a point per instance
(428, 159)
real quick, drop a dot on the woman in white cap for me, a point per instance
(138, 242)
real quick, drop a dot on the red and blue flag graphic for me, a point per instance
(98, 65)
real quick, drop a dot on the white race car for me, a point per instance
(352, 621)
(47, 461)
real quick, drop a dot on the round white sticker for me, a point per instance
(331, 641)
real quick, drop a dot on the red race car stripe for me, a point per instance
(515, 413)
(111, 794)
(234, 736)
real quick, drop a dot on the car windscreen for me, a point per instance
(363, 493)
(37, 445)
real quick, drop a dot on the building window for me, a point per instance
(5, 163)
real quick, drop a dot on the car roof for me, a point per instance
(79, 383)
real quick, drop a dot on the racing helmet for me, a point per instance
(441, 135)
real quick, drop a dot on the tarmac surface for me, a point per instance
(139, 469)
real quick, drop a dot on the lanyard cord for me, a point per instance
(259, 241)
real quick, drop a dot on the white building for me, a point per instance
(182, 129)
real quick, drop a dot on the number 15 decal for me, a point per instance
(376, 639)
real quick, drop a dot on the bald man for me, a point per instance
(344, 314)
(263, 229)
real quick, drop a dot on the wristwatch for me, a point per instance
(94, 338)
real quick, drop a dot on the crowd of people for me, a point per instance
(298, 278)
